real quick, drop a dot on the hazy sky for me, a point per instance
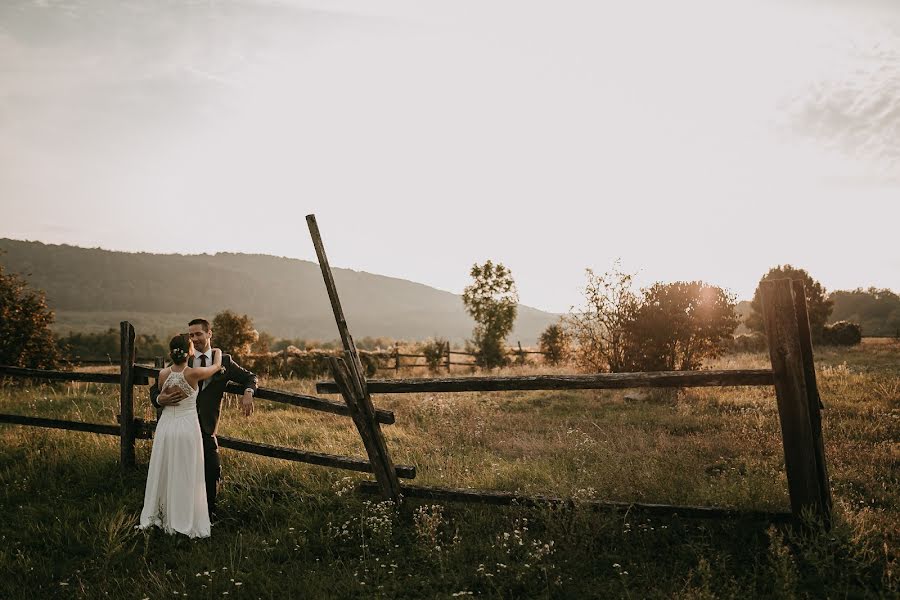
(701, 139)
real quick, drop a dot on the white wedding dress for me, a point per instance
(175, 498)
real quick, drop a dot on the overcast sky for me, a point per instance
(702, 139)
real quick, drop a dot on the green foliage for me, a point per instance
(600, 327)
(25, 319)
(749, 342)
(664, 327)
(818, 305)
(554, 343)
(491, 299)
(876, 310)
(106, 345)
(434, 351)
(294, 363)
(233, 333)
(678, 325)
(842, 333)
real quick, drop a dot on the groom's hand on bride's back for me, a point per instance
(171, 396)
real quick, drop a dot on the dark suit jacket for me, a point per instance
(209, 400)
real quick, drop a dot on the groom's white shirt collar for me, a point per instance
(208, 354)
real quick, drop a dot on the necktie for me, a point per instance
(202, 364)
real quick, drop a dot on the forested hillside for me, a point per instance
(93, 289)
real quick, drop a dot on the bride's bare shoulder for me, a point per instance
(163, 376)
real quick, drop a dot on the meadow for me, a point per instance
(296, 531)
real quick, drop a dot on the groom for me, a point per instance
(209, 401)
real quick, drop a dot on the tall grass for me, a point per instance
(292, 530)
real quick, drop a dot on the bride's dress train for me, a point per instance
(175, 497)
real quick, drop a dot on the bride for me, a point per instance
(175, 498)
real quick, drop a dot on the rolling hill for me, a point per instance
(92, 289)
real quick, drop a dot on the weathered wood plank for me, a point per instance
(302, 400)
(785, 352)
(145, 429)
(61, 424)
(350, 378)
(353, 363)
(126, 394)
(814, 402)
(60, 375)
(498, 498)
(369, 432)
(564, 382)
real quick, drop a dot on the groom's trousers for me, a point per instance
(212, 470)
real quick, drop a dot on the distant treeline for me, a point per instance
(877, 311)
(106, 345)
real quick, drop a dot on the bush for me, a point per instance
(434, 353)
(667, 326)
(554, 343)
(308, 364)
(25, 319)
(749, 342)
(678, 325)
(842, 333)
(599, 328)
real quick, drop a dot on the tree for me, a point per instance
(599, 328)
(679, 324)
(876, 310)
(554, 343)
(25, 319)
(106, 345)
(491, 299)
(234, 334)
(433, 350)
(818, 305)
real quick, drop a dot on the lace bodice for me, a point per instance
(187, 405)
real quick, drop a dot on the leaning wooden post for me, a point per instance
(448, 356)
(126, 394)
(350, 378)
(805, 486)
(814, 402)
(397, 357)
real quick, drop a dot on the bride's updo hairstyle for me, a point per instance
(179, 348)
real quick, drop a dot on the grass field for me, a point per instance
(296, 531)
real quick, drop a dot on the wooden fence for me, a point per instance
(129, 428)
(792, 375)
(446, 361)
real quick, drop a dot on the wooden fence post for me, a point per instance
(350, 378)
(814, 402)
(807, 489)
(126, 394)
(363, 413)
(397, 357)
(448, 356)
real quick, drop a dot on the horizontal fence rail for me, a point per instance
(747, 377)
(512, 498)
(302, 400)
(314, 458)
(76, 360)
(60, 424)
(67, 375)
